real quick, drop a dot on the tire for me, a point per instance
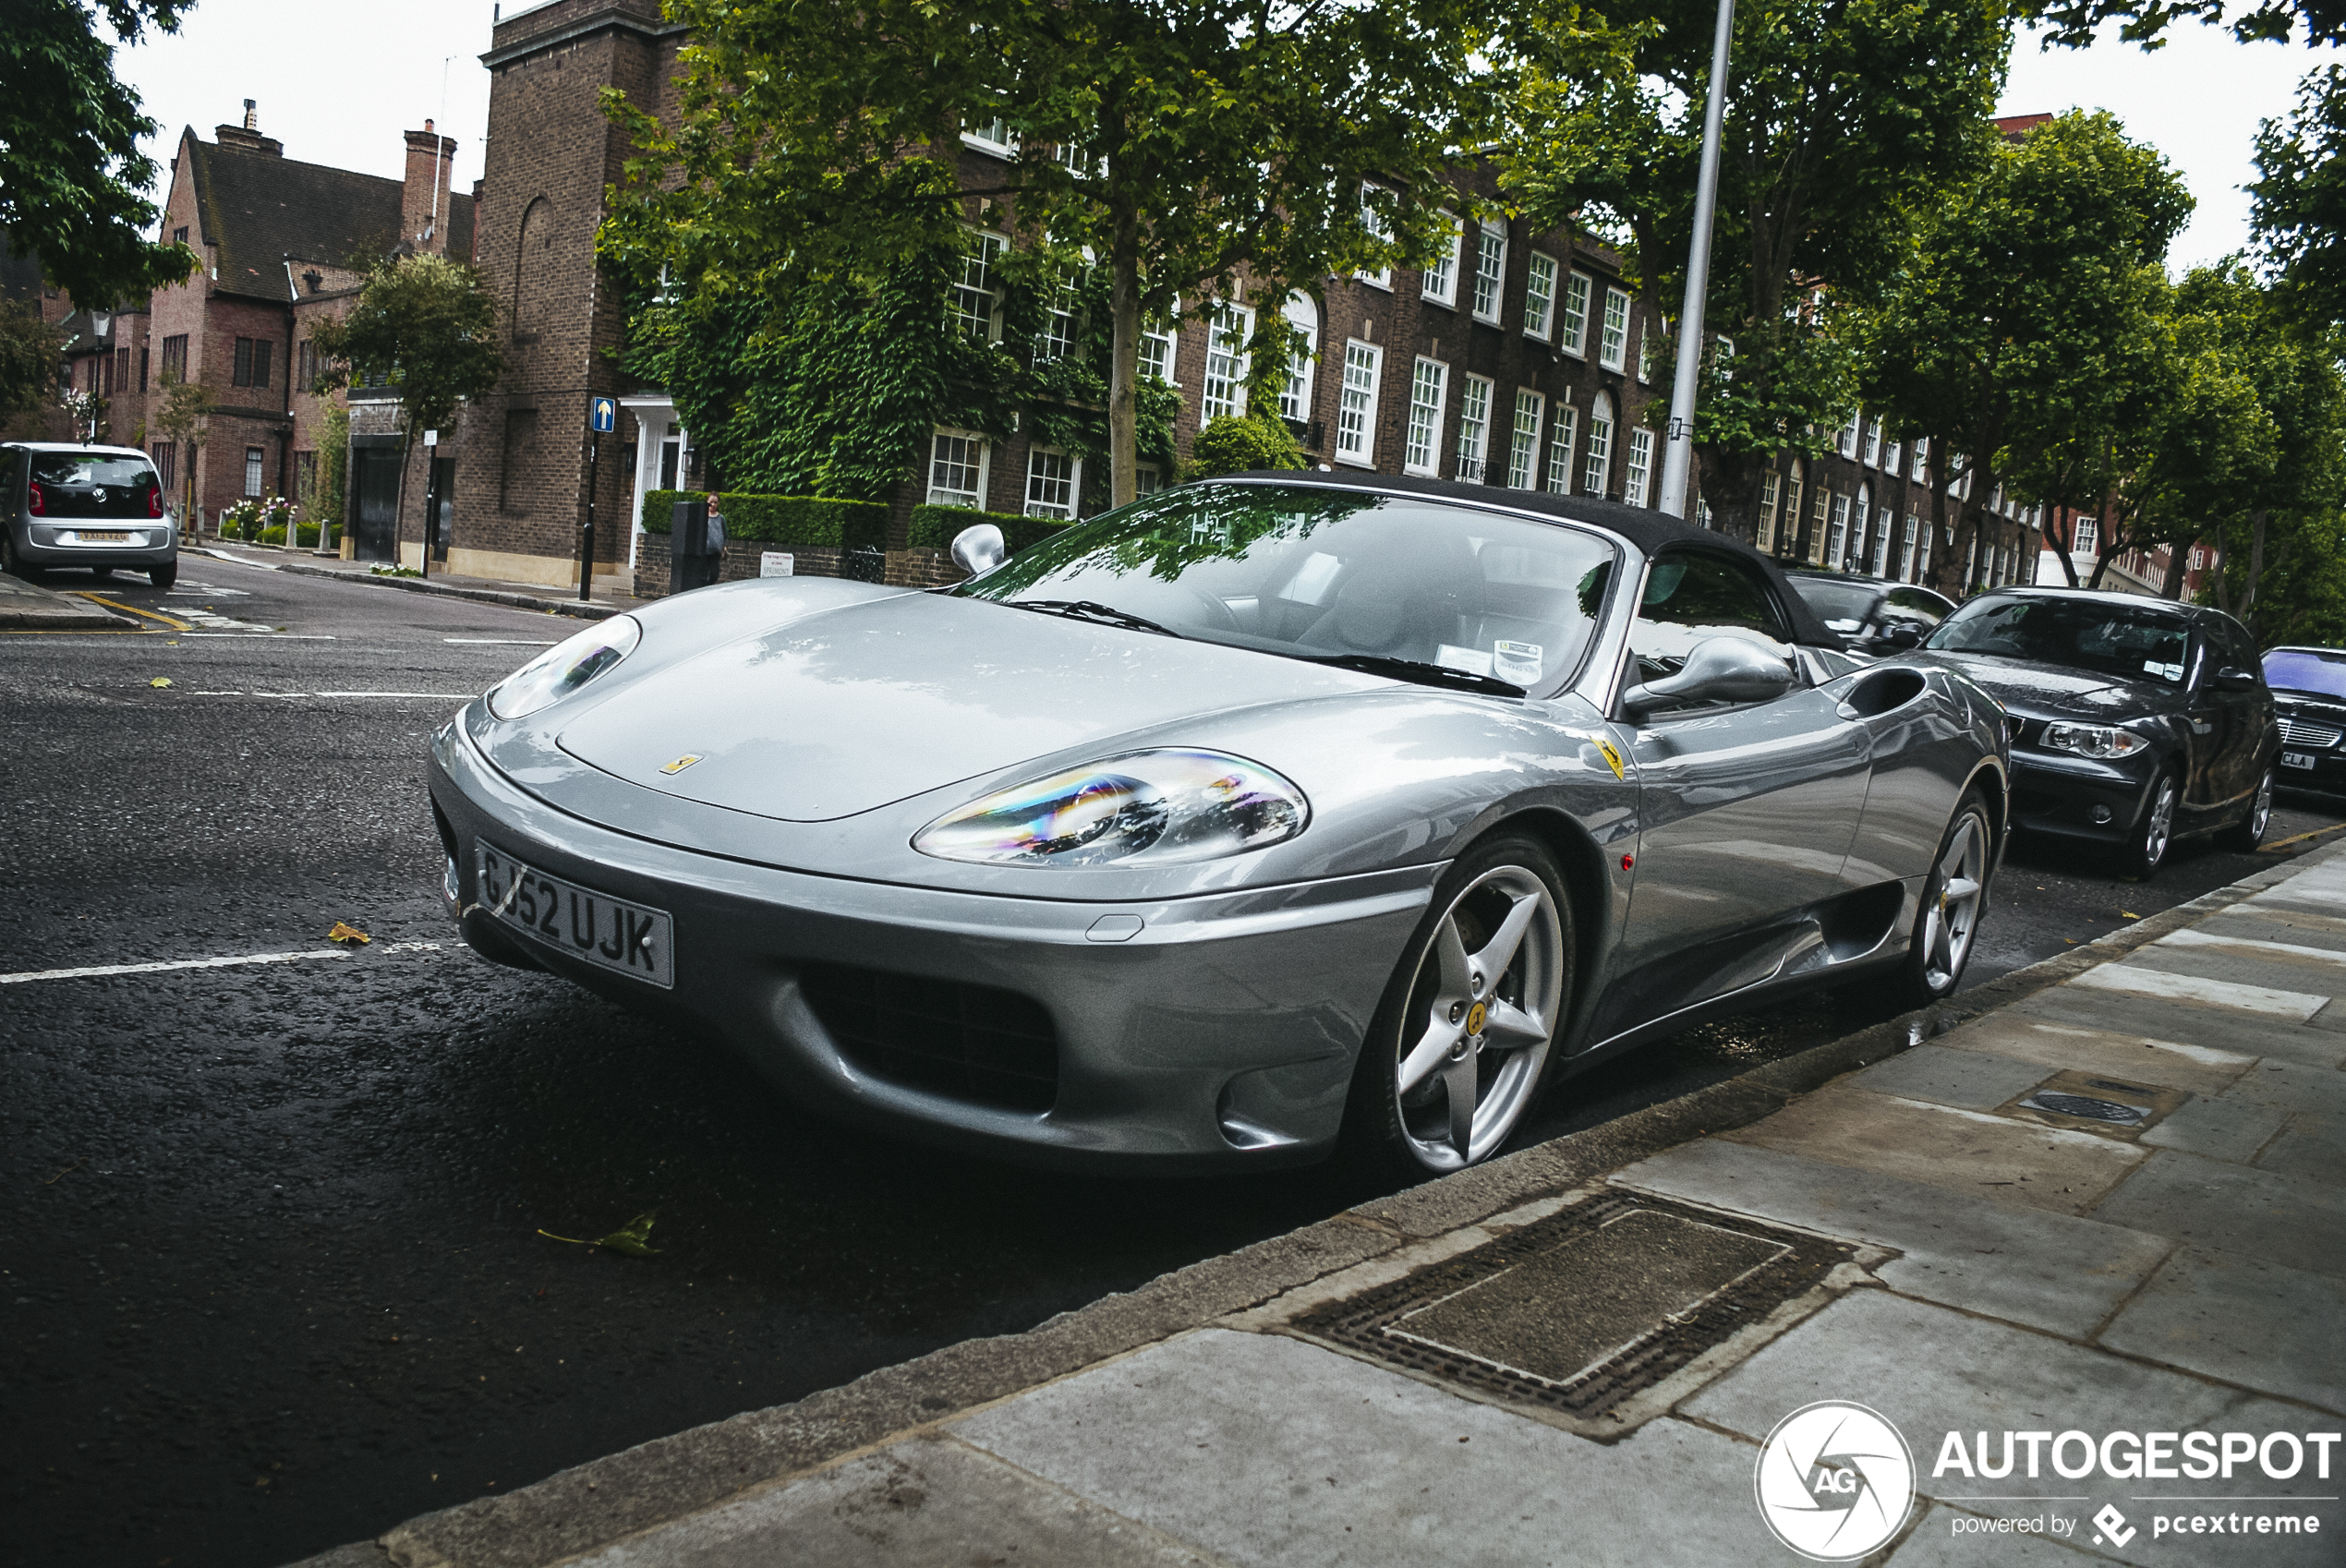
(163, 576)
(2249, 831)
(1501, 906)
(2143, 853)
(1955, 897)
(12, 560)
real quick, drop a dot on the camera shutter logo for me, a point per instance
(1835, 1481)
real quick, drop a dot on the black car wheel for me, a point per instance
(1462, 1040)
(2142, 854)
(2249, 832)
(1953, 901)
(13, 562)
(163, 576)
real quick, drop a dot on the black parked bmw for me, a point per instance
(2309, 692)
(2139, 721)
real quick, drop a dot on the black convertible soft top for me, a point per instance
(1650, 531)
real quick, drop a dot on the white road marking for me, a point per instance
(101, 970)
(504, 642)
(277, 636)
(449, 696)
(186, 588)
(2192, 937)
(2297, 1005)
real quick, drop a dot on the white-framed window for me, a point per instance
(1639, 467)
(1076, 161)
(1613, 346)
(1474, 427)
(1873, 443)
(1053, 481)
(2088, 536)
(1356, 405)
(1848, 442)
(1596, 457)
(991, 136)
(1146, 479)
(957, 468)
(1788, 515)
(252, 470)
(1226, 361)
(1893, 452)
(1159, 346)
(1771, 492)
(1490, 271)
(1376, 223)
(1573, 335)
(1921, 455)
(1817, 507)
(1854, 558)
(976, 305)
(1057, 340)
(1882, 524)
(2199, 558)
(1523, 439)
(1540, 296)
(1429, 389)
(1439, 283)
(1561, 436)
(1295, 397)
(1909, 566)
(1837, 536)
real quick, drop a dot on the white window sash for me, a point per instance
(1439, 283)
(1613, 347)
(1596, 462)
(1560, 435)
(1474, 427)
(1639, 469)
(1226, 332)
(975, 285)
(1429, 389)
(966, 461)
(1540, 297)
(1375, 223)
(1489, 272)
(1054, 483)
(1295, 397)
(1356, 404)
(1579, 292)
(1523, 439)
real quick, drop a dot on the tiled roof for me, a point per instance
(259, 208)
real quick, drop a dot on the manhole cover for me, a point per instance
(2105, 1105)
(2081, 1105)
(1583, 1308)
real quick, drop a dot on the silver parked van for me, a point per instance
(95, 506)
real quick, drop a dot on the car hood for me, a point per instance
(2052, 690)
(847, 710)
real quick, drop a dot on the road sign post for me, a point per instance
(602, 418)
(431, 494)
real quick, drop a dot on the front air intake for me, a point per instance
(971, 1043)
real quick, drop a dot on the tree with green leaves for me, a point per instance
(183, 418)
(32, 361)
(1841, 117)
(2029, 304)
(423, 323)
(2298, 199)
(73, 182)
(1177, 147)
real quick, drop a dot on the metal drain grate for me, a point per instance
(2086, 1107)
(1663, 1283)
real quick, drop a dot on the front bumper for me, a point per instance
(1223, 1032)
(2077, 797)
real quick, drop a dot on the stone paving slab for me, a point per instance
(1932, 1372)
(1970, 1080)
(2290, 1086)
(1269, 1450)
(2244, 1033)
(2320, 966)
(2200, 1068)
(2299, 1223)
(2131, 976)
(2312, 1148)
(2271, 923)
(2244, 1319)
(924, 1504)
(2220, 1129)
(2049, 1271)
(2047, 1167)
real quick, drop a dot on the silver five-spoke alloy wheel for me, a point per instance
(1481, 1013)
(1951, 919)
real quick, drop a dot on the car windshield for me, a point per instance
(96, 469)
(1843, 607)
(2108, 639)
(2298, 669)
(1328, 573)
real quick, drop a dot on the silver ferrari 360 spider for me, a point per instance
(1261, 817)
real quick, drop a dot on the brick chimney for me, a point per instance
(423, 204)
(247, 136)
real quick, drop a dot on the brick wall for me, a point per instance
(742, 558)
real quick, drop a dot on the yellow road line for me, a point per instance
(2301, 837)
(134, 609)
(85, 631)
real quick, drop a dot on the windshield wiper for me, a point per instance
(1091, 610)
(1421, 673)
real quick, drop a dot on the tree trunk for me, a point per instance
(1124, 360)
(2247, 610)
(1729, 485)
(2223, 558)
(2062, 544)
(2177, 553)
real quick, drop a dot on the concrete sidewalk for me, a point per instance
(24, 607)
(2096, 1216)
(518, 596)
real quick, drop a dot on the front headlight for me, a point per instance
(565, 668)
(1161, 807)
(2098, 740)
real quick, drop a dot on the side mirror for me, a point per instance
(2232, 678)
(1901, 635)
(979, 548)
(1721, 669)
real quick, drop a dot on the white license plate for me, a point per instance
(100, 536)
(2296, 759)
(628, 938)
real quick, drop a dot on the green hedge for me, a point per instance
(934, 526)
(782, 520)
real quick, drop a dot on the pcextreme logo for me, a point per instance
(1835, 1481)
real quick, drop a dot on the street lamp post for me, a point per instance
(1677, 453)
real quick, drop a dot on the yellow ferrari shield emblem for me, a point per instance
(681, 764)
(1612, 757)
(1476, 1015)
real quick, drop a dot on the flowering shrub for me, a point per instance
(255, 520)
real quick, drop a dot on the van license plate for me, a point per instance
(592, 927)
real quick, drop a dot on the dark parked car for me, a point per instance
(95, 506)
(2309, 694)
(2137, 721)
(1872, 616)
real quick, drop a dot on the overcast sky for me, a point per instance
(337, 80)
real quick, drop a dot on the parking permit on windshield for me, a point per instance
(1474, 661)
(1518, 662)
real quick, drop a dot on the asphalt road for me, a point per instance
(277, 1271)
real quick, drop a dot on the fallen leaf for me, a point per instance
(341, 932)
(634, 1239)
(2128, 914)
(160, 680)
